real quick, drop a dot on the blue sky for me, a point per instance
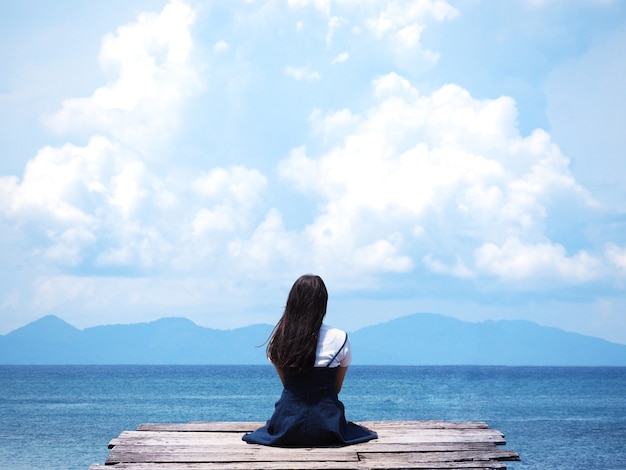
(194, 158)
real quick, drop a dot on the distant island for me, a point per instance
(418, 339)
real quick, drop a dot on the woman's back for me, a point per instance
(311, 359)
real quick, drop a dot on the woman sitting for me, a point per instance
(311, 360)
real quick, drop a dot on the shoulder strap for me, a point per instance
(338, 351)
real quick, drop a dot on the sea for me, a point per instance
(62, 417)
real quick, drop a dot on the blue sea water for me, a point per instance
(62, 417)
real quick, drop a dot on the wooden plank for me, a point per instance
(198, 454)
(478, 465)
(401, 444)
(366, 448)
(259, 460)
(148, 438)
(385, 434)
(408, 436)
(204, 426)
(448, 435)
(164, 455)
(453, 456)
(236, 426)
(433, 424)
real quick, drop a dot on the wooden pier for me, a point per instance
(218, 445)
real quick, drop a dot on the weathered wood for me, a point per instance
(234, 443)
(130, 453)
(221, 438)
(186, 454)
(305, 466)
(249, 426)
(453, 456)
(401, 445)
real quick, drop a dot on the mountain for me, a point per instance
(438, 340)
(48, 340)
(51, 340)
(419, 339)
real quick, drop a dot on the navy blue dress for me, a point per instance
(309, 414)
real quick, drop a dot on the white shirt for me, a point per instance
(330, 341)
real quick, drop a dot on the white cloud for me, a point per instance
(399, 166)
(104, 206)
(100, 206)
(382, 255)
(514, 260)
(156, 207)
(322, 5)
(270, 241)
(233, 194)
(546, 3)
(219, 218)
(98, 200)
(302, 73)
(398, 16)
(401, 23)
(616, 256)
(458, 269)
(384, 16)
(127, 191)
(60, 185)
(221, 46)
(118, 299)
(151, 75)
(343, 57)
(137, 247)
(333, 126)
(66, 246)
(238, 183)
(334, 24)
(410, 35)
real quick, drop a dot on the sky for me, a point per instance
(193, 158)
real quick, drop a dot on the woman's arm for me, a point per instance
(341, 374)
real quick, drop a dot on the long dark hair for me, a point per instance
(293, 343)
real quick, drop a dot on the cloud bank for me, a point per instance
(404, 189)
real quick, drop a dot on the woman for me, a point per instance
(311, 360)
